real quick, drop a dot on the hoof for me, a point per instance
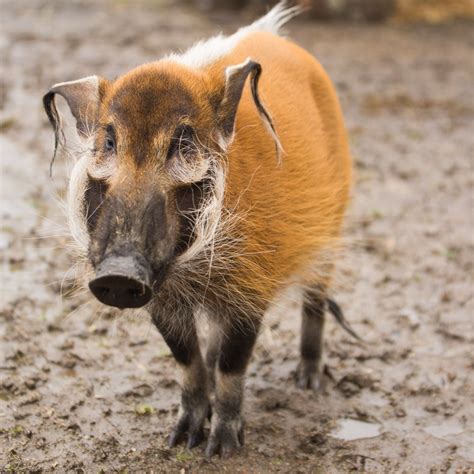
(226, 438)
(309, 375)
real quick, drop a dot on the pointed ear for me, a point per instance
(83, 98)
(234, 85)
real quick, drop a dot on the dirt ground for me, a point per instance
(85, 390)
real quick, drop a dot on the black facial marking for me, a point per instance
(154, 220)
(182, 143)
(121, 227)
(110, 139)
(105, 226)
(188, 199)
(94, 196)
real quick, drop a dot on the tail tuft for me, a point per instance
(336, 311)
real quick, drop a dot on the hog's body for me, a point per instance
(206, 193)
(294, 209)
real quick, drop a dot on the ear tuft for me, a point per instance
(83, 98)
(264, 114)
(235, 82)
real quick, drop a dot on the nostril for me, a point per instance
(104, 291)
(134, 293)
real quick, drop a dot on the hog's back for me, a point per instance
(289, 213)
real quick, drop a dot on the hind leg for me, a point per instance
(309, 370)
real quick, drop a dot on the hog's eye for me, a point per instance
(182, 143)
(109, 144)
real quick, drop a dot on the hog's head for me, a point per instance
(158, 137)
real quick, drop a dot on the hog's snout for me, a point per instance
(123, 282)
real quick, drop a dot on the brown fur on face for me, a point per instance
(147, 104)
(143, 111)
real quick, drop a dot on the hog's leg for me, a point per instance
(309, 370)
(227, 426)
(212, 353)
(194, 388)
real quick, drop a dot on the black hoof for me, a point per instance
(226, 438)
(308, 376)
(190, 426)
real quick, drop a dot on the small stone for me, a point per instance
(348, 388)
(412, 316)
(31, 383)
(354, 381)
(142, 390)
(67, 344)
(31, 398)
(20, 415)
(400, 412)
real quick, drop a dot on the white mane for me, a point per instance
(206, 52)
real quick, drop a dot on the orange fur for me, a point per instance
(293, 213)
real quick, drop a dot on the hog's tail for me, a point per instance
(336, 311)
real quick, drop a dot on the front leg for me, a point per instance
(195, 406)
(212, 352)
(227, 427)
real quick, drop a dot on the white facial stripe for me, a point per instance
(102, 171)
(76, 201)
(208, 218)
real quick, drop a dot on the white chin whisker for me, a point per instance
(76, 203)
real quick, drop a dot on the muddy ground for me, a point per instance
(86, 390)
